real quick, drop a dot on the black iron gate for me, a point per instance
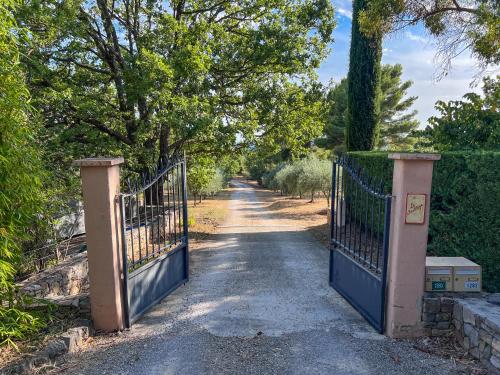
(360, 220)
(154, 237)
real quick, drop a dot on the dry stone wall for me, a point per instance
(477, 329)
(475, 323)
(437, 315)
(68, 278)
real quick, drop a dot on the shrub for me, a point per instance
(20, 177)
(199, 176)
(203, 179)
(465, 206)
(215, 183)
(310, 175)
(269, 179)
(315, 176)
(287, 179)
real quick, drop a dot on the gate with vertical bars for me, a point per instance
(360, 221)
(154, 237)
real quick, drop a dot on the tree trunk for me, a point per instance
(164, 141)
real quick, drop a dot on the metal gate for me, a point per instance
(155, 237)
(360, 220)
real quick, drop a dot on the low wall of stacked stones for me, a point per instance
(474, 322)
(68, 278)
(437, 314)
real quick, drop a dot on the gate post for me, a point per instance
(411, 188)
(101, 185)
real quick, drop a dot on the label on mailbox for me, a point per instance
(439, 285)
(471, 285)
(415, 208)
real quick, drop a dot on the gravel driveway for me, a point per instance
(258, 302)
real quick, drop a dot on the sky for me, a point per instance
(412, 48)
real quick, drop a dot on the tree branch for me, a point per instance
(82, 65)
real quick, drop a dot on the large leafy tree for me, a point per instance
(472, 123)
(287, 118)
(363, 85)
(456, 24)
(396, 121)
(144, 78)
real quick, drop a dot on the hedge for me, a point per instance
(465, 206)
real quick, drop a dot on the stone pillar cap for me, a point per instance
(99, 162)
(414, 156)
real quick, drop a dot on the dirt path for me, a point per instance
(258, 302)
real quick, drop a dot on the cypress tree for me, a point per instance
(363, 104)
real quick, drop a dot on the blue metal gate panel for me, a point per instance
(363, 290)
(151, 283)
(359, 247)
(154, 238)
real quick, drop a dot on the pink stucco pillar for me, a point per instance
(100, 185)
(411, 188)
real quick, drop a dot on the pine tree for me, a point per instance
(396, 120)
(335, 121)
(363, 104)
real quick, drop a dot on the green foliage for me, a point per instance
(396, 122)
(336, 119)
(17, 325)
(456, 24)
(287, 179)
(289, 117)
(256, 168)
(205, 179)
(465, 203)
(315, 176)
(20, 176)
(377, 164)
(269, 178)
(199, 175)
(215, 184)
(145, 78)
(363, 85)
(469, 124)
(231, 165)
(310, 175)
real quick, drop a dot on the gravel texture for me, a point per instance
(258, 302)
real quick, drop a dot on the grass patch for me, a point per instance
(205, 217)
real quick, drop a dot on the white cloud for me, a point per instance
(419, 65)
(343, 7)
(416, 52)
(415, 37)
(430, 91)
(345, 12)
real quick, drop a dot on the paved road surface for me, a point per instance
(258, 302)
